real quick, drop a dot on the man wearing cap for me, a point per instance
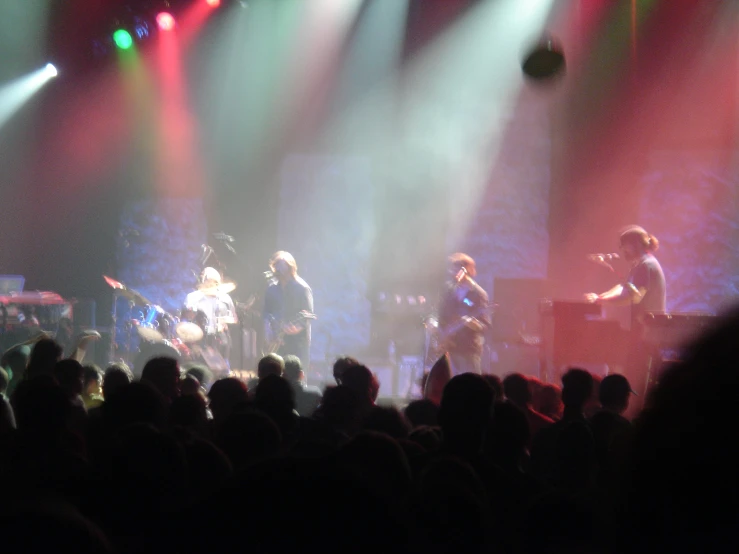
(613, 394)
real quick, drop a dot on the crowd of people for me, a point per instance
(97, 461)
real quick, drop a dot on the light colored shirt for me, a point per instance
(214, 307)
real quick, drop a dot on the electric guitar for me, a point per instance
(275, 330)
(445, 337)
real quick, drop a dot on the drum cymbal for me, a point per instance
(135, 297)
(123, 290)
(188, 332)
(149, 333)
(227, 288)
(113, 283)
(223, 288)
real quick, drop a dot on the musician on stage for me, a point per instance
(644, 291)
(644, 288)
(211, 302)
(463, 316)
(287, 301)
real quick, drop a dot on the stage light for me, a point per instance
(122, 39)
(545, 61)
(140, 27)
(15, 94)
(213, 3)
(165, 21)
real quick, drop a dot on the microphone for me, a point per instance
(223, 236)
(207, 250)
(603, 257)
(270, 277)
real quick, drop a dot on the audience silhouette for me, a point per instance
(95, 461)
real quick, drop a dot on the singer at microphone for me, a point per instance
(644, 288)
(463, 317)
(644, 292)
(287, 297)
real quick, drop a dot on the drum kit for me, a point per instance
(160, 332)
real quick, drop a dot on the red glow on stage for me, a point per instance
(165, 21)
(179, 172)
(192, 20)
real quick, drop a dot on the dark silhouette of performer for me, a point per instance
(463, 316)
(286, 302)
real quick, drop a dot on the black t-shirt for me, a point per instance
(647, 274)
(451, 308)
(284, 303)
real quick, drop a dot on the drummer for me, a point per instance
(212, 302)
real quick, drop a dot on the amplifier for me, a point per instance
(673, 330)
(48, 316)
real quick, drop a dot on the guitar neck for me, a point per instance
(461, 322)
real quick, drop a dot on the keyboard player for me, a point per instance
(643, 290)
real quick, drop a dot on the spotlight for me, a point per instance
(545, 61)
(165, 21)
(122, 39)
(213, 3)
(140, 27)
(51, 70)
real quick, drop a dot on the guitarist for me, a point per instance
(286, 297)
(463, 316)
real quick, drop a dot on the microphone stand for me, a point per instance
(226, 240)
(113, 328)
(208, 254)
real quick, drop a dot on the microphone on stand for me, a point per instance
(223, 236)
(206, 251)
(604, 259)
(600, 257)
